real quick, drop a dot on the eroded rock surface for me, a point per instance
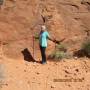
(21, 19)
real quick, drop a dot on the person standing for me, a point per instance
(43, 37)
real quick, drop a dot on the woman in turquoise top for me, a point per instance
(43, 39)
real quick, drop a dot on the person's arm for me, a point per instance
(59, 41)
(51, 39)
(56, 41)
(48, 36)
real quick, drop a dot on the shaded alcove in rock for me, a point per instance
(81, 53)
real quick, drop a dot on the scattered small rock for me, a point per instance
(69, 85)
(86, 71)
(83, 78)
(56, 63)
(77, 70)
(33, 77)
(28, 82)
(26, 63)
(87, 88)
(25, 71)
(52, 86)
(33, 82)
(47, 77)
(5, 84)
(65, 75)
(67, 72)
(34, 63)
(48, 68)
(16, 66)
(75, 58)
(39, 83)
(75, 74)
(37, 73)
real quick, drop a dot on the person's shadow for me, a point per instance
(27, 55)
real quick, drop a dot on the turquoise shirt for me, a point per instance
(43, 38)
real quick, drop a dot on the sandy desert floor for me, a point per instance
(70, 74)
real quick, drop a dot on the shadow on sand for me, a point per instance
(28, 56)
(81, 53)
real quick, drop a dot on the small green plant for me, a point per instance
(36, 36)
(59, 53)
(86, 48)
(61, 47)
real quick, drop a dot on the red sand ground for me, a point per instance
(23, 75)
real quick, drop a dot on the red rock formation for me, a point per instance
(21, 19)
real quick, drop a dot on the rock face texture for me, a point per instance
(21, 19)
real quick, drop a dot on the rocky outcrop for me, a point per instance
(20, 20)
